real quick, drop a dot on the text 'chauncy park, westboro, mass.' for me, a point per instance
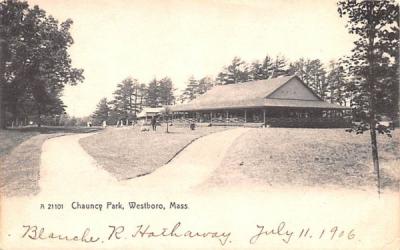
(76, 205)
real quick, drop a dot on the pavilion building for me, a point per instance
(279, 102)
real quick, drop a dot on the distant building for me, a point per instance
(283, 101)
(148, 113)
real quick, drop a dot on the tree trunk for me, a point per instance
(375, 157)
(39, 120)
(136, 93)
(2, 80)
(167, 124)
(2, 106)
(371, 88)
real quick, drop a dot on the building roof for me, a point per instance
(249, 95)
(149, 112)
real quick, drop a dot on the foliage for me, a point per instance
(279, 67)
(160, 93)
(373, 65)
(152, 93)
(102, 112)
(261, 71)
(195, 88)
(236, 72)
(312, 73)
(123, 98)
(166, 92)
(131, 97)
(167, 112)
(189, 93)
(38, 65)
(239, 71)
(337, 84)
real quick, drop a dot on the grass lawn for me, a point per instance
(20, 151)
(309, 157)
(127, 152)
(9, 139)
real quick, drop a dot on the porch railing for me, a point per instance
(320, 122)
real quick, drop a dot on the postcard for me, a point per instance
(199, 124)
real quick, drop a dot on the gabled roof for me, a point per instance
(149, 111)
(250, 94)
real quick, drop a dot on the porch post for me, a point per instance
(227, 115)
(211, 116)
(245, 116)
(265, 120)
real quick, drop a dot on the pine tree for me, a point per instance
(205, 84)
(373, 66)
(337, 89)
(194, 88)
(312, 73)
(102, 112)
(279, 67)
(236, 72)
(166, 92)
(189, 93)
(124, 99)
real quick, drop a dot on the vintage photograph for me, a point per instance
(215, 124)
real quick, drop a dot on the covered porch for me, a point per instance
(266, 116)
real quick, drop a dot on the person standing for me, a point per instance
(154, 123)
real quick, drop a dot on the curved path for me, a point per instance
(65, 166)
(194, 164)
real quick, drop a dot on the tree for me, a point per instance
(236, 72)
(38, 66)
(167, 111)
(2, 83)
(124, 99)
(139, 92)
(299, 68)
(279, 67)
(312, 73)
(337, 87)
(189, 93)
(102, 112)
(205, 84)
(152, 94)
(373, 65)
(160, 93)
(264, 70)
(256, 71)
(194, 88)
(11, 13)
(166, 92)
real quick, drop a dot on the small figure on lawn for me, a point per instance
(192, 126)
(154, 123)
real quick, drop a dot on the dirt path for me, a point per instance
(193, 165)
(65, 166)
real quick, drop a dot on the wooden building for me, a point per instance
(278, 102)
(148, 113)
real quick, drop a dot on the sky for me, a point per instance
(116, 39)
